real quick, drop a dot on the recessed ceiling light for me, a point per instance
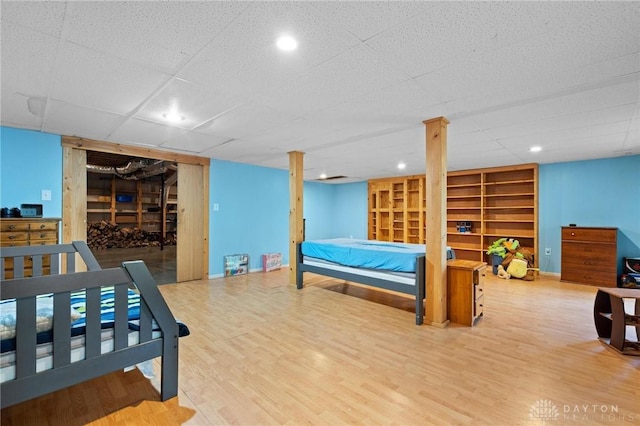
(287, 43)
(535, 149)
(323, 175)
(173, 117)
(401, 165)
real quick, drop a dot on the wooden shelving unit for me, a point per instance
(498, 202)
(396, 209)
(136, 203)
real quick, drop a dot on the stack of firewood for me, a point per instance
(105, 235)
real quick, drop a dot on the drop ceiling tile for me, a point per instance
(15, 112)
(250, 118)
(46, 17)
(244, 152)
(146, 133)
(28, 59)
(343, 78)
(244, 59)
(89, 78)
(404, 103)
(290, 135)
(196, 103)
(158, 35)
(375, 18)
(84, 122)
(192, 142)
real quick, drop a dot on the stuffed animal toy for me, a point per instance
(517, 268)
(502, 273)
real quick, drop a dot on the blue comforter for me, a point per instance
(398, 257)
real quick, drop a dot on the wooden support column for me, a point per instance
(296, 184)
(436, 232)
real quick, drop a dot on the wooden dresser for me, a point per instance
(465, 291)
(28, 232)
(589, 255)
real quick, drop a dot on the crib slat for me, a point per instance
(71, 263)
(55, 264)
(25, 336)
(92, 318)
(61, 329)
(145, 322)
(36, 265)
(18, 267)
(121, 325)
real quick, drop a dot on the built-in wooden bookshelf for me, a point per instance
(496, 202)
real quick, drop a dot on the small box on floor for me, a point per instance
(236, 264)
(271, 261)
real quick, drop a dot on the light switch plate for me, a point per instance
(46, 195)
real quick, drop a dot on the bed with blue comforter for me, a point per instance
(392, 266)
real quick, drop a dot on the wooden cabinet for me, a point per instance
(28, 232)
(589, 255)
(465, 291)
(499, 202)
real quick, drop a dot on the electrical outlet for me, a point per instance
(547, 251)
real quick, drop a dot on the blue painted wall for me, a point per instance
(589, 193)
(318, 210)
(252, 215)
(350, 211)
(30, 162)
(253, 201)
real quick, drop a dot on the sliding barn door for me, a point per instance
(193, 206)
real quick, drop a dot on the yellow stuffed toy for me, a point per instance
(517, 268)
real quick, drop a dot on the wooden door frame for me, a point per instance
(70, 197)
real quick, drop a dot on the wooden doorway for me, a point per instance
(193, 243)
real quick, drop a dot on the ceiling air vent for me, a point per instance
(332, 178)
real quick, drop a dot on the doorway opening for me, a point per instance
(132, 212)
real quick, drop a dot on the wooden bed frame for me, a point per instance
(30, 384)
(417, 289)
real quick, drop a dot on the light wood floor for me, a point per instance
(262, 353)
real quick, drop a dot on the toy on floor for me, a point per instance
(502, 273)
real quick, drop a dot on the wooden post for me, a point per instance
(296, 183)
(436, 232)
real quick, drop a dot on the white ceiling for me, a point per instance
(507, 75)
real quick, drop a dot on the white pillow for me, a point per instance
(44, 316)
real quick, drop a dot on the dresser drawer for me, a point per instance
(13, 243)
(43, 236)
(591, 264)
(593, 277)
(8, 237)
(589, 234)
(478, 307)
(589, 250)
(42, 226)
(14, 226)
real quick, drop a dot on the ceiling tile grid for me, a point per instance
(564, 75)
(99, 81)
